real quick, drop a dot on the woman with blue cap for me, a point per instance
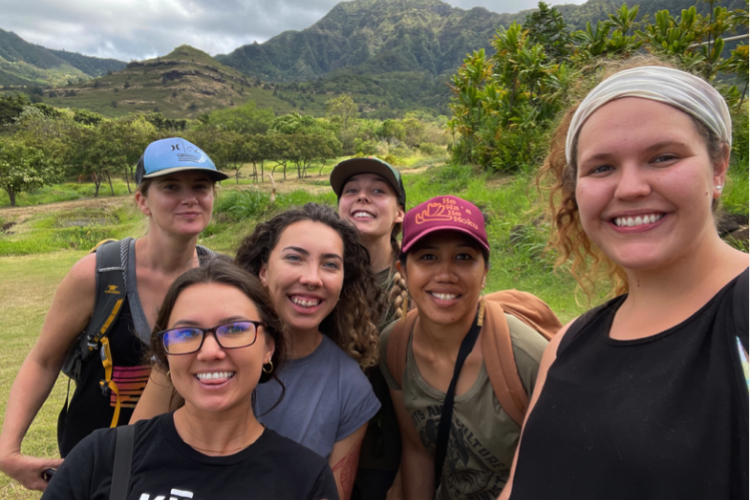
(644, 396)
(112, 296)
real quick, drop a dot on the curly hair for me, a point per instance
(557, 178)
(221, 270)
(353, 323)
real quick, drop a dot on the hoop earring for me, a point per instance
(269, 370)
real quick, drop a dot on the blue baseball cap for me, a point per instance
(175, 154)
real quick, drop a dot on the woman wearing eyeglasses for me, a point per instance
(217, 336)
(318, 275)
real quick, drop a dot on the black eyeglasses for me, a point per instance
(189, 339)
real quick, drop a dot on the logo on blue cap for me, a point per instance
(172, 155)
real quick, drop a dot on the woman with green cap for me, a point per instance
(176, 193)
(371, 196)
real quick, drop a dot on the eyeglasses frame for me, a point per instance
(204, 331)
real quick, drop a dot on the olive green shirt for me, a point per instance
(483, 437)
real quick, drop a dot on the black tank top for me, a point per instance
(661, 417)
(90, 408)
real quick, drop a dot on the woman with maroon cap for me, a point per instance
(444, 260)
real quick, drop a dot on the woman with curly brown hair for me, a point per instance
(318, 275)
(645, 396)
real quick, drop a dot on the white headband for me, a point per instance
(677, 88)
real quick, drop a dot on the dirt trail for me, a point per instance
(89, 203)
(315, 184)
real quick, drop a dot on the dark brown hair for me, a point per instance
(222, 270)
(353, 323)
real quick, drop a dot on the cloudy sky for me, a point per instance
(140, 29)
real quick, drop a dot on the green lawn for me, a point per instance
(26, 289)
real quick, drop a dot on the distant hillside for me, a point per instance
(182, 84)
(376, 35)
(23, 63)
(383, 36)
(92, 66)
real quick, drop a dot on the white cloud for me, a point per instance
(140, 29)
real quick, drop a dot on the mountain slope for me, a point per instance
(381, 36)
(182, 84)
(23, 63)
(388, 35)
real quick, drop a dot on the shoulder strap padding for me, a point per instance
(497, 349)
(398, 345)
(111, 270)
(123, 463)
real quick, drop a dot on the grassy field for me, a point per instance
(26, 289)
(55, 236)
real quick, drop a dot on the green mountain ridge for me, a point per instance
(391, 56)
(24, 63)
(381, 36)
(375, 36)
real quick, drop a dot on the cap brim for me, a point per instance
(214, 174)
(348, 168)
(431, 230)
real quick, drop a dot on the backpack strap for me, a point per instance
(398, 345)
(499, 358)
(111, 271)
(204, 254)
(500, 362)
(125, 437)
(529, 308)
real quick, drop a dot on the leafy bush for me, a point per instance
(241, 205)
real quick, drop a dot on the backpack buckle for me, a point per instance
(105, 388)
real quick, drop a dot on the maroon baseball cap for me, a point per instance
(443, 213)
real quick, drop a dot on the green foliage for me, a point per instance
(504, 104)
(23, 168)
(245, 119)
(11, 107)
(547, 27)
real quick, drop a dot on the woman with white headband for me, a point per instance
(644, 396)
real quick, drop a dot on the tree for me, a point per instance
(546, 26)
(23, 168)
(87, 117)
(234, 152)
(504, 105)
(11, 107)
(245, 119)
(136, 134)
(343, 110)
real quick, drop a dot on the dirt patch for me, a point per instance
(91, 203)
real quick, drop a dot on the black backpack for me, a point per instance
(112, 258)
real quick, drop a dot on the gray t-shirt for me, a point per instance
(327, 398)
(483, 438)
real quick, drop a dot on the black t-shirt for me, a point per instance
(164, 466)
